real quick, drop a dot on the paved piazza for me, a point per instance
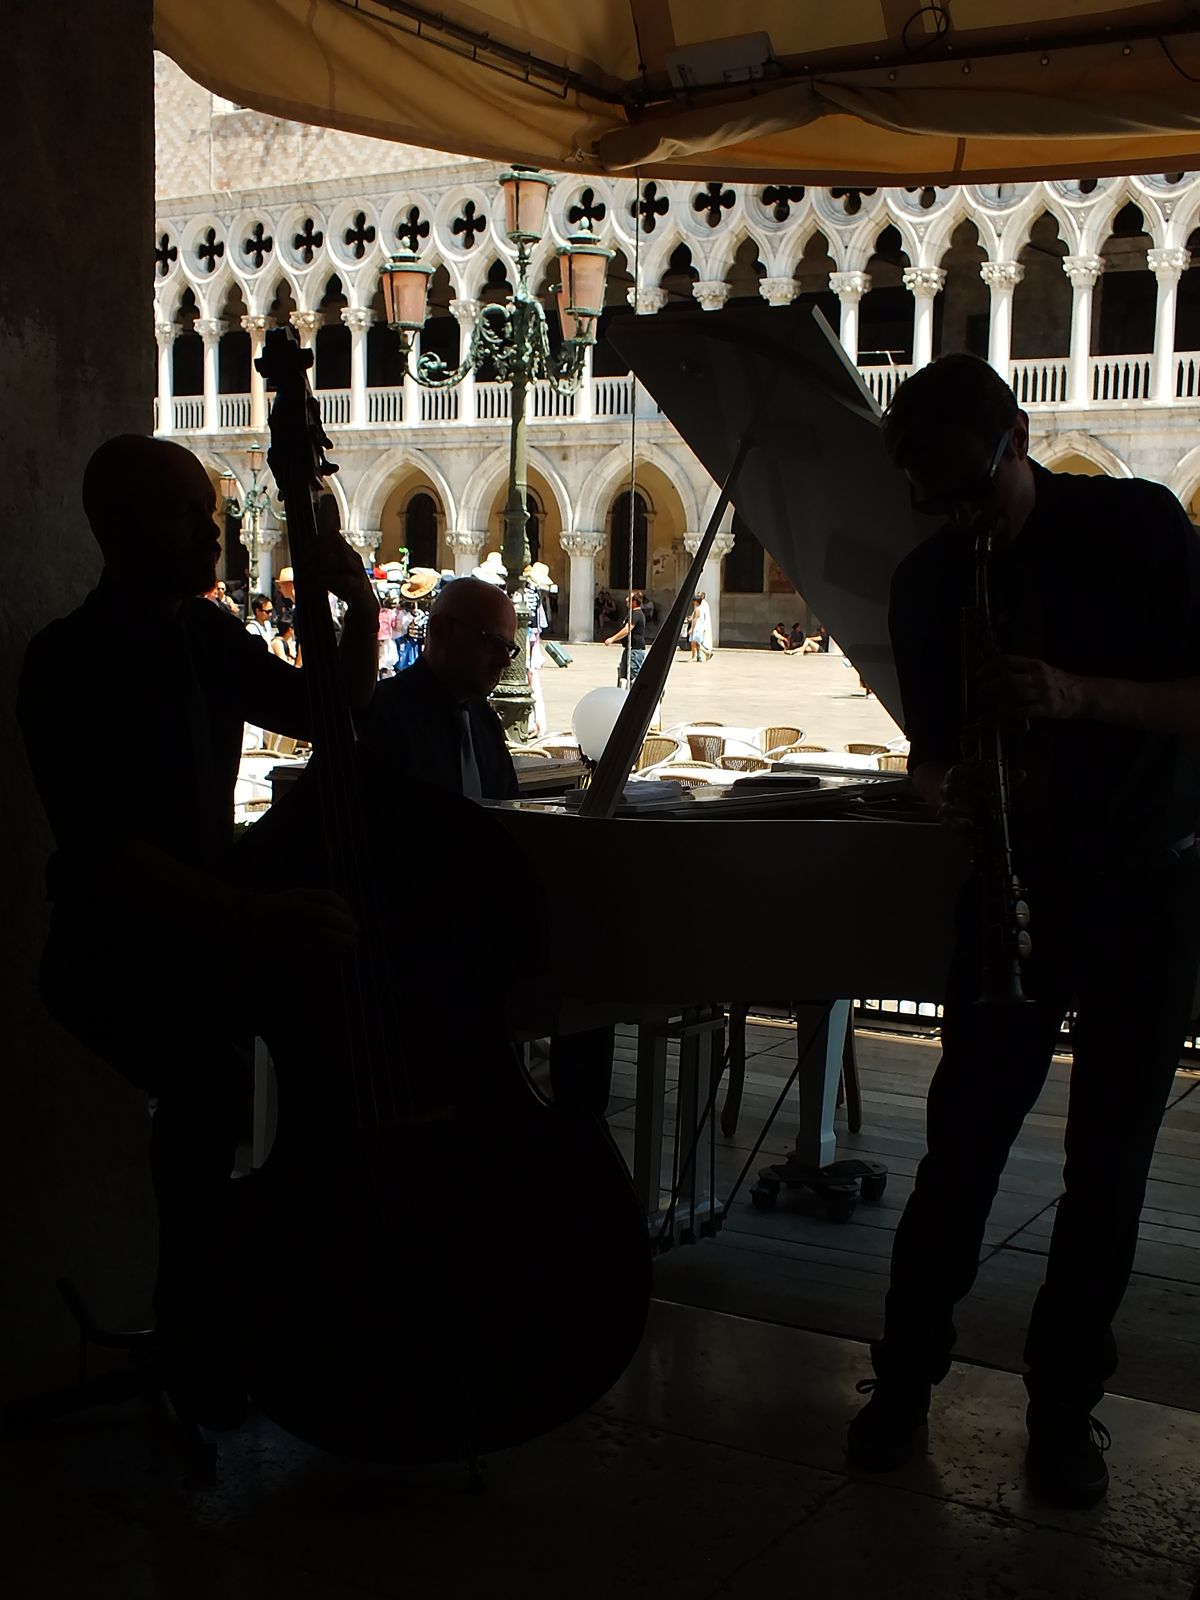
(744, 688)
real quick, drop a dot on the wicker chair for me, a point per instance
(561, 752)
(745, 764)
(706, 747)
(867, 749)
(774, 739)
(708, 724)
(891, 762)
(655, 749)
(802, 750)
(690, 773)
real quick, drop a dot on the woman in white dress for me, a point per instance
(701, 634)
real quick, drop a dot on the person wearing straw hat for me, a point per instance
(492, 570)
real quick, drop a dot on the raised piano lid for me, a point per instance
(816, 487)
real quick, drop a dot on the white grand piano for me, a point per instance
(782, 420)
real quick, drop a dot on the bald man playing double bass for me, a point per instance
(132, 709)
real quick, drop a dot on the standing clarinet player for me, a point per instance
(1099, 740)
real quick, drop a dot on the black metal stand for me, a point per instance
(136, 1381)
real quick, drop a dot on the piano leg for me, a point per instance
(648, 1120)
(820, 1073)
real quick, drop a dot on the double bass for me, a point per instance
(438, 1262)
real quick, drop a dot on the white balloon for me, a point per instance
(595, 718)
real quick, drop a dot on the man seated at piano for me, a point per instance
(146, 915)
(1104, 797)
(434, 723)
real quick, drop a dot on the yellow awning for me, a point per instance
(818, 91)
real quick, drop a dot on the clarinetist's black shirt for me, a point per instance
(1103, 580)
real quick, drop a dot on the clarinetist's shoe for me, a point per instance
(885, 1433)
(1065, 1461)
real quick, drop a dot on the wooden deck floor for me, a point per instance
(793, 1266)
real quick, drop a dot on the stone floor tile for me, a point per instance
(869, 1541)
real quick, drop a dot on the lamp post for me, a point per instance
(513, 337)
(249, 513)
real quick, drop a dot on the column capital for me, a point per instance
(364, 539)
(850, 285)
(721, 546)
(256, 324)
(268, 538)
(1001, 275)
(778, 291)
(305, 322)
(164, 333)
(582, 541)
(647, 301)
(209, 328)
(358, 318)
(923, 283)
(1168, 264)
(1083, 271)
(712, 293)
(465, 313)
(469, 539)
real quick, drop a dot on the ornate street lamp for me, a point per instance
(514, 339)
(248, 512)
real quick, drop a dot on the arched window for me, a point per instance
(332, 368)
(421, 531)
(187, 349)
(744, 563)
(618, 542)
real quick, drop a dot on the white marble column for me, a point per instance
(647, 301)
(924, 284)
(1083, 272)
(849, 288)
(358, 319)
(712, 293)
(268, 542)
(466, 314)
(710, 574)
(1168, 266)
(366, 542)
(1002, 278)
(466, 545)
(583, 545)
(585, 395)
(210, 332)
(257, 327)
(164, 333)
(778, 291)
(306, 324)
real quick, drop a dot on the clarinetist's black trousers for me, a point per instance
(1119, 945)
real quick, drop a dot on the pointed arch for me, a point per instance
(1041, 200)
(1097, 225)
(492, 472)
(612, 473)
(1185, 480)
(1061, 445)
(377, 483)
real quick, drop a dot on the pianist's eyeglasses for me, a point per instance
(974, 492)
(497, 640)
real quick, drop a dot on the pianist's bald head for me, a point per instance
(471, 625)
(151, 504)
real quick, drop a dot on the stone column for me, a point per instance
(712, 293)
(710, 574)
(583, 545)
(268, 540)
(849, 288)
(1002, 278)
(210, 331)
(1168, 266)
(164, 333)
(924, 284)
(306, 324)
(1083, 272)
(585, 395)
(647, 301)
(778, 291)
(466, 314)
(358, 319)
(257, 327)
(466, 545)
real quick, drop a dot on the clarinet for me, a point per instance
(1004, 914)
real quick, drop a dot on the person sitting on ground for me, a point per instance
(780, 639)
(146, 912)
(797, 638)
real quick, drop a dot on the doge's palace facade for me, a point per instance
(1083, 295)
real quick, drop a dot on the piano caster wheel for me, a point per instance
(840, 1208)
(764, 1194)
(873, 1188)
